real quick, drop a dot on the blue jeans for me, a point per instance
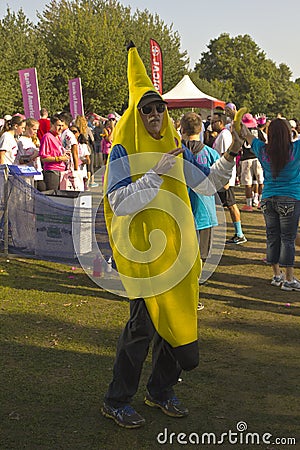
(281, 215)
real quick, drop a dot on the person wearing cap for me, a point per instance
(230, 110)
(152, 235)
(251, 170)
(294, 131)
(112, 116)
(261, 128)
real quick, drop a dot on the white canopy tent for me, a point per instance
(186, 95)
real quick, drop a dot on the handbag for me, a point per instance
(71, 180)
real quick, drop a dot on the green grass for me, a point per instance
(58, 338)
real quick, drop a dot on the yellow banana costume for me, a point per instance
(162, 266)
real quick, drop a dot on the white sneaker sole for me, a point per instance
(285, 288)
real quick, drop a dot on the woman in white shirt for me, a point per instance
(8, 140)
(28, 151)
(83, 153)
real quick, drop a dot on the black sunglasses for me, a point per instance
(147, 109)
(74, 131)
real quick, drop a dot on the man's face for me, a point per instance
(216, 123)
(57, 127)
(230, 112)
(152, 116)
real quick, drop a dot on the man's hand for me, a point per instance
(167, 161)
(244, 134)
(237, 142)
(65, 157)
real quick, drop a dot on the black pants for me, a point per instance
(132, 350)
(52, 179)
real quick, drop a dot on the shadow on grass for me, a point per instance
(52, 396)
(237, 260)
(49, 277)
(250, 292)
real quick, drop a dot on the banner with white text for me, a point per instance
(156, 65)
(30, 92)
(75, 97)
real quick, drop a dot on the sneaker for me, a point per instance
(237, 239)
(277, 280)
(200, 306)
(293, 285)
(171, 407)
(125, 416)
(255, 203)
(93, 185)
(247, 208)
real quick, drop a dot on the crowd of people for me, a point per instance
(183, 167)
(53, 146)
(268, 167)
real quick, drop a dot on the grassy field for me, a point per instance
(58, 334)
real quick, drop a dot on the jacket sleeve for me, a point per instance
(124, 195)
(204, 180)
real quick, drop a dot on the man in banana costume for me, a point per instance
(152, 235)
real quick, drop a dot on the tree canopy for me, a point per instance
(239, 69)
(80, 38)
(87, 40)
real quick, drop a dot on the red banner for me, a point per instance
(156, 65)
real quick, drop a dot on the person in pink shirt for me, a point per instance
(53, 155)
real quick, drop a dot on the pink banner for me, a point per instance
(75, 96)
(30, 92)
(156, 65)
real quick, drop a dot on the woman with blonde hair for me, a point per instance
(28, 151)
(107, 134)
(82, 124)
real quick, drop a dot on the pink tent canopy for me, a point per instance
(186, 95)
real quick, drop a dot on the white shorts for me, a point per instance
(249, 169)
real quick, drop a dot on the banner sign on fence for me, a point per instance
(75, 97)
(30, 92)
(156, 65)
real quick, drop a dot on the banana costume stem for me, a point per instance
(238, 118)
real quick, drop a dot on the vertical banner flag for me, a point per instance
(75, 97)
(156, 65)
(30, 92)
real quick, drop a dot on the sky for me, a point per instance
(272, 24)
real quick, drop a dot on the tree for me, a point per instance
(20, 49)
(249, 78)
(88, 40)
(85, 40)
